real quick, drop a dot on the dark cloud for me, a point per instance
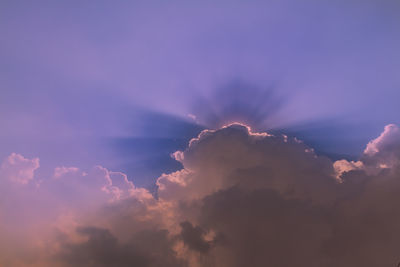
(193, 237)
(275, 202)
(241, 199)
(262, 228)
(145, 249)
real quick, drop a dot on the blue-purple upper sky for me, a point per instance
(125, 83)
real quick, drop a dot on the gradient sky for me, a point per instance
(77, 74)
(124, 84)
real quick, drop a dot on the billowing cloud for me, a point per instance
(18, 169)
(36, 211)
(241, 199)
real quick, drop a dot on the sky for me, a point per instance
(126, 124)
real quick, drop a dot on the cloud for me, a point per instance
(18, 169)
(241, 199)
(147, 248)
(193, 237)
(234, 155)
(384, 151)
(390, 136)
(381, 153)
(35, 210)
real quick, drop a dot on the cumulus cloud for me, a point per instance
(241, 199)
(389, 137)
(18, 169)
(384, 151)
(34, 211)
(381, 153)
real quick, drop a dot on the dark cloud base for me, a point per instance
(241, 199)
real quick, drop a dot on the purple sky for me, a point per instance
(74, 73)
(103, 92)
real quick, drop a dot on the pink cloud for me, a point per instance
(18, 169)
